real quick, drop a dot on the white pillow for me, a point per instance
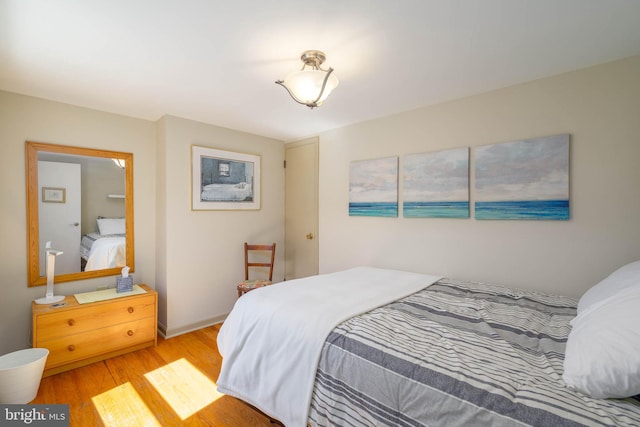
(602, 357)
(624, 277)
(111, 226)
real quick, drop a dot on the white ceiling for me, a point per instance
(216, 61)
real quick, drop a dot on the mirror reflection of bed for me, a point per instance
(105, 247)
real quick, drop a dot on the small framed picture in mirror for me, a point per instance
(54, 195)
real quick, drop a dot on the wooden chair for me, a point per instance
(250, 262)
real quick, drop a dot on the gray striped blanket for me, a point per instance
(457, 354)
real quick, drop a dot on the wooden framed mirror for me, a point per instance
(80, 199)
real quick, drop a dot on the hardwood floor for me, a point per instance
(153, 386)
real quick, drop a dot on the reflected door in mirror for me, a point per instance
(60, 210)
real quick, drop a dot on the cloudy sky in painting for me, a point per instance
(437, 176)
(532, 169)
(374, 180)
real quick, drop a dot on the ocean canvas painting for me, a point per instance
(436, 184)
(527, 179)
(373, 187)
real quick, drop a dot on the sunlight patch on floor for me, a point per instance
(123, 406)
(184, 387)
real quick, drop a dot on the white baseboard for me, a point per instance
(162, 329)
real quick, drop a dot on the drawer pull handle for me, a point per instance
(130, 332)
(71, 322)
(130, 309)
(71, 347)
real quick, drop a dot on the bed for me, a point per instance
(371, 346)
(226, 192)
(99, 251)
(106, 247)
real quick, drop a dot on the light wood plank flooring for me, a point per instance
(169, 385)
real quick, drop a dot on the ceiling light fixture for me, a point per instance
(313, 85)
(119, 162)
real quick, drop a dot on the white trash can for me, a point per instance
(20, 375)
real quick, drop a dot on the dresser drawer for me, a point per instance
(79, 334)
(87, 344)
(94, 316)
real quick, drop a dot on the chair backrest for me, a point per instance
(251, 263)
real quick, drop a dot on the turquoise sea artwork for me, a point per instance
(527, 179)
(435, 209)
(436, 184)
(373, 187)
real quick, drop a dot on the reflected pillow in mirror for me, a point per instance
(108, 226)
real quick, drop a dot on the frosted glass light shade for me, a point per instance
(305, 85)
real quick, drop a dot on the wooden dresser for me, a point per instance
(80, 334)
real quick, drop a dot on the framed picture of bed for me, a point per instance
(224, 180)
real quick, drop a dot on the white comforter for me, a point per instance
(107, 252)
(272, 339)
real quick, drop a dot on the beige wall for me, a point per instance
(192, 258)
(200, 252)
(599, 107)
(25, 118)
